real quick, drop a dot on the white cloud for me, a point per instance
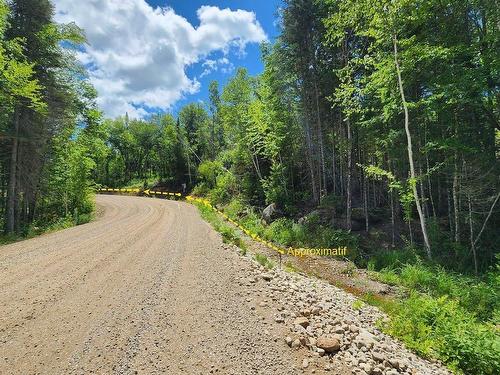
(139, 54)
(222, 64)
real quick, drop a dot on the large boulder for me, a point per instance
(271, 213)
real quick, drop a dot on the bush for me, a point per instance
(253, 223)
(208, 171)
(201, 190)
(441, 328)
(392, 259)
(281, 231)
(235, 208)
(479, 297)
(226, 187)
(264, 261)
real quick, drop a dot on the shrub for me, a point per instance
(252, 222)
(393, 259)
(478, 297)
(235, 208)
(208, 171)
(281, 231)
(388, 276)
(440, 327)
(225, 188)
(264, 261)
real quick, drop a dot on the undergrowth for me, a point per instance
(229, 234)
(446, 315)
(37, 229)
(264, 261)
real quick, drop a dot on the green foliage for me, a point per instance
(480, 298)
(208, 172)
(48, 119)
(229, 234)
(290, 268)
(236, 209)
(446, 315)
(283, 231)
(440, 327)
(17, 75)
(264, 261)
(390, 259)
(226, 187)
(357, 304)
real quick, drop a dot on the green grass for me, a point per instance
(479, 296)
(264, 261)
(358, 304)
(229, 234)
(446, 315)
(290, 268)
(37, 230)
(441, 314)
(439, 327)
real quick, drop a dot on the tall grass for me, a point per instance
(447, 315)
(480, 297)
(440, 327)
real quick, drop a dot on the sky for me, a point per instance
(150, 56)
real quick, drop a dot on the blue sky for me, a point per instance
(265, 10)
(149, 56)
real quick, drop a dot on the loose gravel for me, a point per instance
(149, 288)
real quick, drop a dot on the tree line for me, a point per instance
(49, 121)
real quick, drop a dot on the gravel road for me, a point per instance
(147, 288)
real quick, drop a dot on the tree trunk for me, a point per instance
(393, 221)
(413, 181)
(323, 189)
(189, 170)
(450, 217)
(365, 202)
(310, 162)
(487, 218)
(11, 188)
(334, 174)
(349, 177)
(455, 202)
(471, 228)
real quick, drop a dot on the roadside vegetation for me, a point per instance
(229, 234)
(446, 315)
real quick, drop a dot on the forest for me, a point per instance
(49, 122)
(374, 125)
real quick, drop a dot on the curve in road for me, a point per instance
(147, 288)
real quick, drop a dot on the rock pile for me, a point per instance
(328, 326)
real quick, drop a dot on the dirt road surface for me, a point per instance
(145, 289)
